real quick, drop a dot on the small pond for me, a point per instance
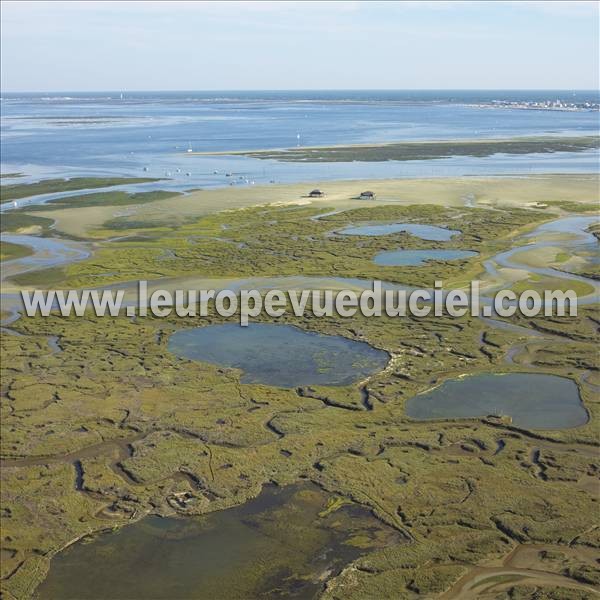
(534, 401)
(425, 232)
(280, 355)
(412, 258)
(282, 544)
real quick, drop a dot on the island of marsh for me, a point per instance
(103, 425)
(422, 150)
(16, 191)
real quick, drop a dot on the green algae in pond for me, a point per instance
(533, 401)
(277, 545)
(280, 355)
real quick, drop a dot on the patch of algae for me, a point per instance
(107, 426)
(333, 504)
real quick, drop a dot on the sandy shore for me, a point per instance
(465, 191)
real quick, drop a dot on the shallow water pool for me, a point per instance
(413, 258)
(534, 401)
(282, 544)
(425, 232)
(280, 355)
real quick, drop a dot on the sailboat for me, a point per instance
(189, 147)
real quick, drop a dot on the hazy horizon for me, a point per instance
(296, 90)
(244, 46)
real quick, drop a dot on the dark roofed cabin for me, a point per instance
(316, 194)
(367, 195)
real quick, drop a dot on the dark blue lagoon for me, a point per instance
(425, 232)
(412, 258)
(533, 401)
(280, 355)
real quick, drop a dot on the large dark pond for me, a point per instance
(283, 544)
(533, 401)
(280, 355)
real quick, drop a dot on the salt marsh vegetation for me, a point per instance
(103, 426)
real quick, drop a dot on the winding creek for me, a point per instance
(47, 252)
(568, 232)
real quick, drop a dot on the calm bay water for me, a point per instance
(68, 134)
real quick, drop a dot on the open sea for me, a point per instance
(148, 133)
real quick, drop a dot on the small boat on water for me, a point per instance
(189, 147)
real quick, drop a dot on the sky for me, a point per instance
(127, 46)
